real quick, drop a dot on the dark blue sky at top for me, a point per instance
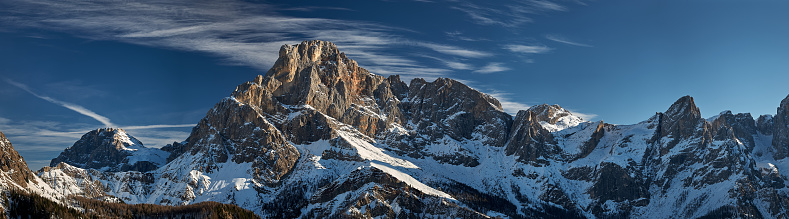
(617, 61)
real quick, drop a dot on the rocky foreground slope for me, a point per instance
(318, 136)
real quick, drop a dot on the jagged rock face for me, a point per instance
(594, 139)
(615, 183)
(111, 149)
(13, 165)
(681, 121)
(448, 107)
(315, 73)
(740, 127)
(236, 132)
(529, 141)
(781, 130)
(549, 113)
(764, 124)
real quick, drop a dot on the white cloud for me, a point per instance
(457, 65)
(509, 15)
(561, 39)
(74, 107)
(453, 50)
(457, 35)
(585, 116)
(528, 49)
(244, 33)
(492, 68)
(509, 106)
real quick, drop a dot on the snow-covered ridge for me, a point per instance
(320, 137)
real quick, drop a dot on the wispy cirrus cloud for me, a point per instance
(74, 107)
(84, 111)
(509, 106)
(242, 32)
(456, 51)
(509, 14)
(40, 139)
(585, 116)
(492, 67)
(457, 35)
(453, 64)
(528, 49)
(562, 39)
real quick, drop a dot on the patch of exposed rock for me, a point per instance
(236, 132)
(781, 130)
(13, 165)
(530, 142)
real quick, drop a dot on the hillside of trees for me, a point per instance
(21, 204)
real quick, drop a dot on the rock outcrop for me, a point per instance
(235, 132)
(13, 166)
(529, 141)
(741, 127)
(764, 124)
(681, 121)
(446, 107)
(315, 73)
(781, 130)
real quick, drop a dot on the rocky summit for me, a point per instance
(318, 136)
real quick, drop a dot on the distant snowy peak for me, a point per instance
(111, 149)
(555, 118)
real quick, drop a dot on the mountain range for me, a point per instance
(318, 136)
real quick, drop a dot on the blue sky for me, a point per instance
(155, 67)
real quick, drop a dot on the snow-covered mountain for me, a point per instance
(318, 136)
(111, 149)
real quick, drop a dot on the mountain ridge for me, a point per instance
(319, 136)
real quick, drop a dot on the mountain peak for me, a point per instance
(111, 149)
(684, 107)
(682, 120)
(309, 49)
